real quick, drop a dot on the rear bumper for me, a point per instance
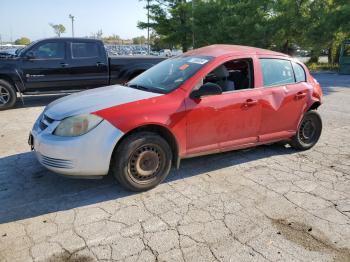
(85, 155)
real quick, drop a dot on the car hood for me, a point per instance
(93, 100)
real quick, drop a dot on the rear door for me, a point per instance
(88, 64)
(284, 97)
(45, 68)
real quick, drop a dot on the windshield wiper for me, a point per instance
(138, 87)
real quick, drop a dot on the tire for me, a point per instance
(8, 95)
(309, 131)
(142, 161)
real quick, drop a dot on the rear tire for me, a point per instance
(142, 161)
(8, 95)
(309, 131)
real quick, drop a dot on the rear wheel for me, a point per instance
(309, 131)
(8, 95)
(141, 161)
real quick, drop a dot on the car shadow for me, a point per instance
(28, 190)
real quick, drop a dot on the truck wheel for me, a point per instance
(141, 161)
(309, 131)
(8, 95)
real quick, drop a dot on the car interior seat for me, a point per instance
(222, 75)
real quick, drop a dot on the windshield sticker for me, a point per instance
(184, 67)
(196, 60)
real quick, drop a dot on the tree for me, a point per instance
(22, 41)
(171, 20)
(139, 40)
(58, 29)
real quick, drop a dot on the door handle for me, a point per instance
(63, 64)
(250, 102)
(100, 64)
(300, 95)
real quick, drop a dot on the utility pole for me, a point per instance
(149, 47)
(72, 18)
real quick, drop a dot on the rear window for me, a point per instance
(276, 71)
(299, 72)
(85, 50)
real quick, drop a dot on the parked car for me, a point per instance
(213, 99)
(62, 64)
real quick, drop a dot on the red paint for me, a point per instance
(238, 119)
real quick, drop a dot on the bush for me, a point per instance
(322, 67)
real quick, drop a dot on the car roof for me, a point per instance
(223, 50)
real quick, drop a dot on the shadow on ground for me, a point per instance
(28, 190)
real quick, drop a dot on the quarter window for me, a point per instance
(85, 50)
(276, 71)
(299, 72)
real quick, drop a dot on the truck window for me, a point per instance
(276, 71)
(49, 51)
(85, 50)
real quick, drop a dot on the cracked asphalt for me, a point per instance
(269, 203)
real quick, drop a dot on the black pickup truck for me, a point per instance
(65, 64)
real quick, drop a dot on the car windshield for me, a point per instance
(24, 49)
(169, 74)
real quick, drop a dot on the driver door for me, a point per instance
(223, 122)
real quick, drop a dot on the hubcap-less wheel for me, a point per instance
(307, 131)
(144, 163)
(4, 95)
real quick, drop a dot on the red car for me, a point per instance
(213, 99)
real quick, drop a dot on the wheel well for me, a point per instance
(8, 79)
(314, 106)
(161, 131)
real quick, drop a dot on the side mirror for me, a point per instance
(30, 55)
(207, 89)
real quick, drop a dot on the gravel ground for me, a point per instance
(270, 203)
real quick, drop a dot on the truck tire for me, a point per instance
(141, 161)
(8, 95)
(309, 131)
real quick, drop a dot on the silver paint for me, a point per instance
(93, 100)
(85, 155)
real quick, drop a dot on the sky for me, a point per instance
(31, 18)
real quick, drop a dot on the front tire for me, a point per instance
(8, 95)
(309, 131)
(142, 161)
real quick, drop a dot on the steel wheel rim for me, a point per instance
(145, 163)
(307, 131)
(4, 95)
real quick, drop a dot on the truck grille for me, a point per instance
(55, 162)
(45, 121)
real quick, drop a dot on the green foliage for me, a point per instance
(314, 67)
(139, 40)
(22, 41)
(58, 29)
(275, 24)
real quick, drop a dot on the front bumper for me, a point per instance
(85, 155)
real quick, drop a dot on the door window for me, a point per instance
(276, 71)
(346, 50)
(49, 51)
(232, 75)
(299, 72)
(85, 50)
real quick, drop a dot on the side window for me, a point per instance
(49, 51)
(233, 75)
(276, 71)
(299, 72)
(85, 50)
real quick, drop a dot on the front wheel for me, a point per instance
(8, 95)
(141, 161)
(309, 131)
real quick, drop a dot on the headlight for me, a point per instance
(77, 125)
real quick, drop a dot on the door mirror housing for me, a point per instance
(207, 89)
(30, 55)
